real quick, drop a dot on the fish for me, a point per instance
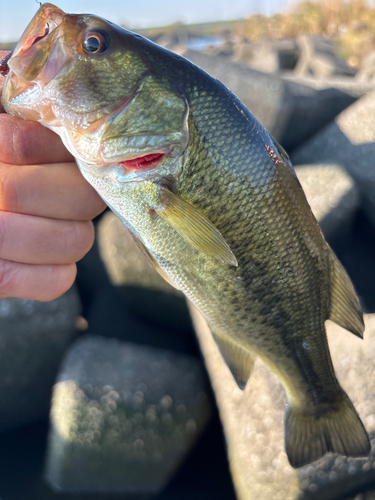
(210, 197)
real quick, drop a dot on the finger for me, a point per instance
(37, 282)
(29, 143)
(56, 191)
(37, 240)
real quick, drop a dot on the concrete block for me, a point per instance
(123, 417)
(318, 57)
(349, 142)
(33, 338)
(332, 196)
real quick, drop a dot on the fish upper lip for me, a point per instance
(48, 14)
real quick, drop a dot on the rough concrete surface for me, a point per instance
(350, 86)
(123, 417)
(332, 196)
(33, 338)
(253, 422)
(349, 142)
(367, 69)
(318, 57)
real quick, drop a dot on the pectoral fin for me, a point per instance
(345, 309)
(194, 227)
(239, 361)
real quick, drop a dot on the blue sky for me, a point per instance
(16, 14)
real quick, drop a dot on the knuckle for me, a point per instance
(78, 240)
(94, 203)
(8, 276)
(20, 144)
(3, 232)
(64, 276)
(85, 238)
(9, 199)
(15, 140)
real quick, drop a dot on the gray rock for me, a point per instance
(253, 423)
(332, 196)
(318, 57)
(33, 338)
(349, 142)
(123, 417)
(290, 110)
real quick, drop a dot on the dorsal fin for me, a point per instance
(239, 360)
(345, 309)
(280, 149)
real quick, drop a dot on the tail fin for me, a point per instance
(309, 436)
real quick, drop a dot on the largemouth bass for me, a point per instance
(211, 198)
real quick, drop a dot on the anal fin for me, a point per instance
(345, 309)
(239, 360)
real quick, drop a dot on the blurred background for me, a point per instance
(104, 392)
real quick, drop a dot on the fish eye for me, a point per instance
(95, 42)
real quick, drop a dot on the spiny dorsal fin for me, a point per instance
(239, 361)
(194, 227)
(280, 149)
(345, 309)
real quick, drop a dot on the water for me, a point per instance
(201, 43)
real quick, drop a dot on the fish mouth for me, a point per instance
(34, 62)
(44, 22)
(33, 49)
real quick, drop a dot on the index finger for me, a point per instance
(29, 143)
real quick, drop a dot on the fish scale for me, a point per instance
(219, 211)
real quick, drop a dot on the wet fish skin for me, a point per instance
(272, 297)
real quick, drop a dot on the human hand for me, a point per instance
(46, 207)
